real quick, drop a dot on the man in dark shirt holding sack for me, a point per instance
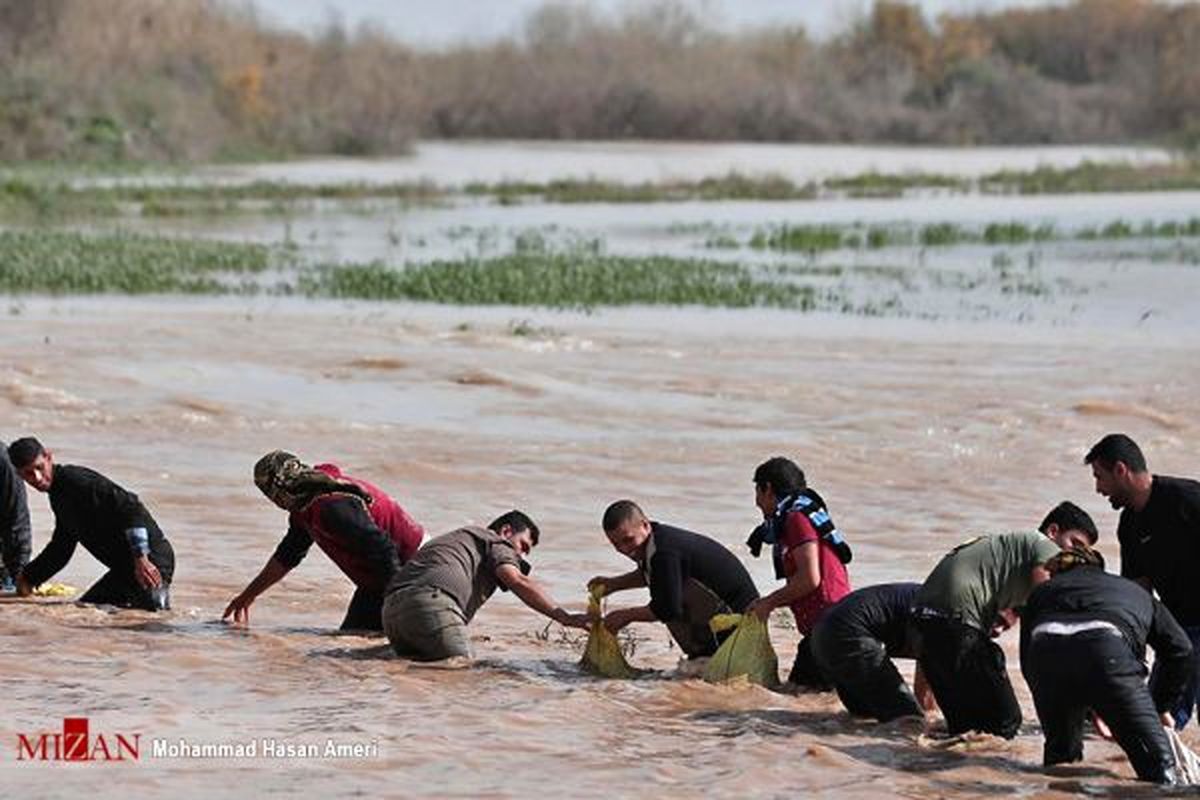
(110, 522)
(691, 578)
(1159, 534)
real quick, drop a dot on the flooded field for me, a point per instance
(939, 392)
(459, 163)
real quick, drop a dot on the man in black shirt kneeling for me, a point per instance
(111, 524)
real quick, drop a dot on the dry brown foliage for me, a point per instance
(197, 79)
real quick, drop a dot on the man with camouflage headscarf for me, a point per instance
(363, 530)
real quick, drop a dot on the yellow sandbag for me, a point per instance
(747, 651)
(54, 590)
(603, 656)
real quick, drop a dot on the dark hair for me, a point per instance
(518, 521)
(1116, 447)
(782, 475)
(619, 513)
(1068, 516)
(22, 452)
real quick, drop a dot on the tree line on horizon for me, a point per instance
(193, 80)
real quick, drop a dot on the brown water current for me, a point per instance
(919, 435)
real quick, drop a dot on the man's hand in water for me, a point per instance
(146, 574)
(239, 607)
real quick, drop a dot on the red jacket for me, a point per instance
(351, 545)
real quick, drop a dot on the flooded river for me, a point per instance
(920, 431)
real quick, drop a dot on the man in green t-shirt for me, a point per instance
(967, 600)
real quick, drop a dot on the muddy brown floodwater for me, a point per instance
(919, 434)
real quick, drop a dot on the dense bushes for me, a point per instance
(189, 79)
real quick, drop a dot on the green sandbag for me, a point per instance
(603, 656)
(747, 651)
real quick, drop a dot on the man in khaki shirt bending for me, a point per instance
(432, 598)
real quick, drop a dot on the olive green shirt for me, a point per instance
(977, 579)
(462, 564)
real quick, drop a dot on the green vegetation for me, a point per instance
(541, 271)
(42, 262)
(1120, 229)
(1016, 233)
(74, 263)
(806, 238)
(27, 195)
(1178, 175)
(560, 280)
(818, 238)
(876, 184)
(942, 234)
(733, 186)
(30, 197)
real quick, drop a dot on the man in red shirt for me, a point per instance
(362, 530)
(808, 551)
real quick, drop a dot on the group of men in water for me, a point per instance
(1083, 631)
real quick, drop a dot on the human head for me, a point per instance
(775, 479)
(627, 528)
(291, 484)
(517, 528)
(1119, 469)
(34, 462)
(272, 475)
(1069, 526)
(1070, 558)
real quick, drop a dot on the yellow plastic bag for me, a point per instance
(747, 651)
(603, 656)
(54, 590)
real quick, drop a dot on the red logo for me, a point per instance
(75, 743)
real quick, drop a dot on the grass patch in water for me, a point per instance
(820, 238)
(561, 280)
(804, 238)
(1123, 229)
(1016, 233)
(941, 234)
(56, 262)
(25, 198)
(877, 184)
(1091, 177)
(48, 194)
(731, 186)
